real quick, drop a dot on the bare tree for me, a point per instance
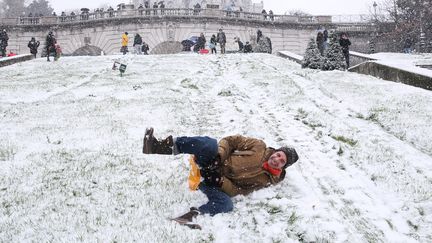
(412, 19)
(40, 7)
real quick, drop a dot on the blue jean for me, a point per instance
(205, 150)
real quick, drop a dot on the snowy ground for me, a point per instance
(72, 168)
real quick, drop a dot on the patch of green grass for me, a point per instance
(293, 218)
(372, 117)
(274, 210)
(301, 114)
(359, 115)
(346, 140)
(225, 93)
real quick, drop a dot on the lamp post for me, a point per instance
(375, 6)
(422, 34)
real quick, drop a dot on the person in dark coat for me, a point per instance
(72, 16)
(137, 44)
(344, 42)
(201, 42)
(237, 165)
(248, 47)
(407, 45)
(325, 35)
(162, 6)
(110, 11)
(147, 6)
(264, 13)
(145, 48)
(213, 43)
(197, 9)
(155, 6)
(141, 9)
(221, 39)
(240, 44)
(320, 42)
(50, 45)
(271, 15)
(33, 45)
(4, 38)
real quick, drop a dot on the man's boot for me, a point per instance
(153, 146)
(186, 219)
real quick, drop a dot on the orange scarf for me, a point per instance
(273, 171)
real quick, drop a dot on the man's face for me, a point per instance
(277, 160)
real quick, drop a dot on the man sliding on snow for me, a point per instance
(238, 165)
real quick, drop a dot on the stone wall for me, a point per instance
(102, 32)
(393, 74)
(106, 34)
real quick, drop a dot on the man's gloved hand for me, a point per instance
(215, 164)
(212, 177)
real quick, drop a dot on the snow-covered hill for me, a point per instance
(72, 168)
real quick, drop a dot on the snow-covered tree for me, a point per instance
(264, 44)
(312, 58)
(334, 58)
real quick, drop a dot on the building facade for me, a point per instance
(245, 5)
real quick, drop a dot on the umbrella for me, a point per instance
(85, 9)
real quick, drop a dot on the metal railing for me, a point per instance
(157, 12)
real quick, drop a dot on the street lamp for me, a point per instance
(375, 6)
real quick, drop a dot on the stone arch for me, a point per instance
(167, 47)
(88, 50)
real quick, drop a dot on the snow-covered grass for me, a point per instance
(72, 168)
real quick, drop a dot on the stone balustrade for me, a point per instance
(157, 12)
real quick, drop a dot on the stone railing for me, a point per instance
(15, 59)
(390, 73)
(157, 12)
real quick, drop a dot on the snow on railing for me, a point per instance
(158, 12)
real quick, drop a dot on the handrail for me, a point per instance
(158, 12)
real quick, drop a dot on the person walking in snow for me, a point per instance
(137, 44)
(213, 44)
(50, 45)
(221, 39)
(344, 42)
(125, 41)
(238, 165)
(33, 45)
(320, 42)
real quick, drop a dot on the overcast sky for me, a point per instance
(315, 7)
